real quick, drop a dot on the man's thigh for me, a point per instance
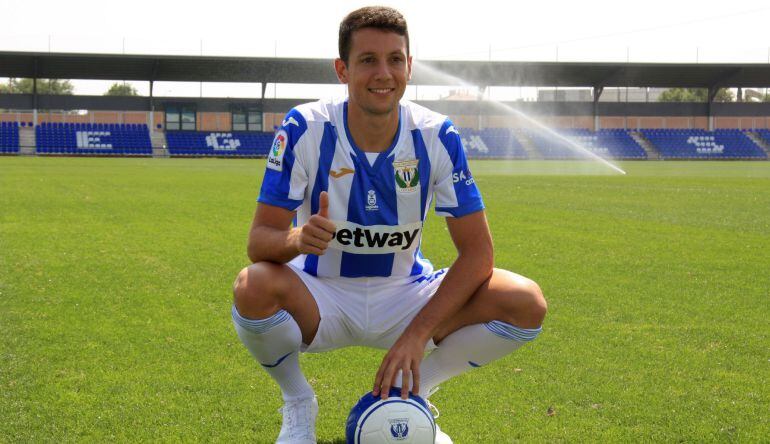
(337, 310)
(505, 296)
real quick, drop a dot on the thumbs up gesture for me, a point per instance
(315, 235)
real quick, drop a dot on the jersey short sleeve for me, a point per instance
(455, 189)
(286, 179)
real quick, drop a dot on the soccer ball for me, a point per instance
(394, 420)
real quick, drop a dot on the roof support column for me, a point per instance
(151, 123)
(34, 95)
(595, 110)
(711, 96)
(479, 99)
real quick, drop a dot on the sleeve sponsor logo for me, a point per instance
(290, 121)
(376, 239)
(277, 150)
(463, 176)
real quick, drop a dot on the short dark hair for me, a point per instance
(378, 17)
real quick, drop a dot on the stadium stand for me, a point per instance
(764, 134)
(203, 143)
(93, 139)
(610, 143)
(702, 144)
(492, 143)
(9, 137)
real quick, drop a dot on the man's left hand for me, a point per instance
(405, 355)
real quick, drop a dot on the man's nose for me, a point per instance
(383, 71)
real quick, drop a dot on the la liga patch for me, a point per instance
(277, 150)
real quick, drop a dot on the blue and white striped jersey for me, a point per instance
(378, 208)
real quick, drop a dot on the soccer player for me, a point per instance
(359, 175)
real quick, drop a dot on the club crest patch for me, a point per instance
(407, 175)
(277, 150)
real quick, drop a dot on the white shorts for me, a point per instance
(369, 312)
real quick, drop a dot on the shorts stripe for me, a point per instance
(430, 277)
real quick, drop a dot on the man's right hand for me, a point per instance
(315, 235)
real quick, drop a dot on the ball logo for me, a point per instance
(277, 150)
(399, 428)
(407, 175)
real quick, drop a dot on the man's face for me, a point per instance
(377, 70)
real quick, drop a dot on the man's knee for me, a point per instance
(536, 306)
(527, 306)
(256, 290)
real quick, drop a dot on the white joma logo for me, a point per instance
(289, 121)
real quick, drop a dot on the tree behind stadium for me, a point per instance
(44, 86)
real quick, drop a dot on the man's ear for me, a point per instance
(409, 68)
(342, 70)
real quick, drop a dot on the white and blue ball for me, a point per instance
(394, 420)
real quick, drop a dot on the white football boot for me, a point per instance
(298, 422)
(441, 437)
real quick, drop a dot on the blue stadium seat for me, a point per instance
(9, 138)
(216, 143)
(78, 138)
(574, 142)
(492, 143)
(702, 144)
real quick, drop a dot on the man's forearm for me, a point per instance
(463, 278)
(271, 244)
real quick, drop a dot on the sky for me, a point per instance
(547, 30)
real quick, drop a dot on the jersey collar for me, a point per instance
(359, 153)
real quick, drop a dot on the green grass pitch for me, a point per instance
(115, 290)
